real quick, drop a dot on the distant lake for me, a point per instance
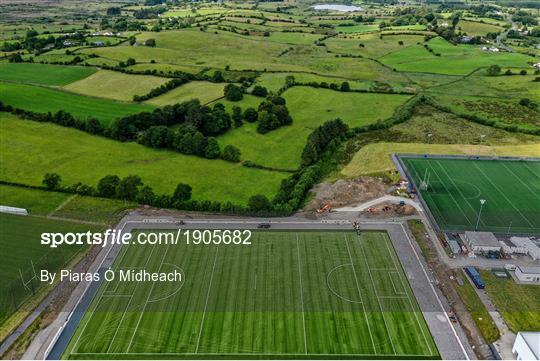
(337, 7)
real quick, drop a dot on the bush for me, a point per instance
(259, 91)
(107, 186)
(250, 115)
(231, 154)
(182, 192)
(51, 181)
(259, 203)
(233, 93)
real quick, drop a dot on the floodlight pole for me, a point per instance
(482, 136)
(482, 201)
(509, 226)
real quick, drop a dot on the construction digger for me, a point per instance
(326, 208)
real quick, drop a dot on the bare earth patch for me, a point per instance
(347, 191)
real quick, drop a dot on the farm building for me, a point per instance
(527, 346)
(522, 245)
(481, 241)
(13, 210)
(528, 274)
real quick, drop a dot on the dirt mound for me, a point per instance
(385, 210)
(347, 191)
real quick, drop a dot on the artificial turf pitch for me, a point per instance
(288, 295)
(511, 189)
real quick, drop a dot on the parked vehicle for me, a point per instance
(475, 277)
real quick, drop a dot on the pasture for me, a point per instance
(371, 45)
(476, 28)
(309, 108)
(30, 149)
(453, 59)
(115, 85)
(321, 294)
(37, 202)
(42, 100)
(20, 239)
(205, 91)
(456, 186)
(43, 74)
(503, 110)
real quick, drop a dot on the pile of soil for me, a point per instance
(347, 191)
(385, 210)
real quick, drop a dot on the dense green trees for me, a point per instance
(233, 92)
(231, 154)
(128, 187)
(493, 70)
(259, 203)
(107, 186)
(250, 115)
(331, 131)
(51, 181)
(272, 114)
(182, 192)
(259, 91)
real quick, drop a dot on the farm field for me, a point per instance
(503, 110)
(43, 74)
(37, 202)
(475, 28)
(310, 108)
(376, 157)
(42, 100)
(80, 157)
(115, 85)
(454, 59)
(455, 186)
(20, 238)
(373, 45)
(205, 91)
(326, 294)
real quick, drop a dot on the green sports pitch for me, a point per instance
(306, 294)
(453, 188)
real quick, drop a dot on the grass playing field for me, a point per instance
(288, 294)
(20, 239)
(455, 186)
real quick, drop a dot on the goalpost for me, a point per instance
(424, 184)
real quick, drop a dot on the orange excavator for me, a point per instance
(326, 208)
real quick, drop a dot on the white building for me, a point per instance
(528, 274)
(527, 346)
(13, 210)
(522, 245)
(481, 241)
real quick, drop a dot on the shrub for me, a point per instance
(233, 93)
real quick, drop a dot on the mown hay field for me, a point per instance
(115, 85)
